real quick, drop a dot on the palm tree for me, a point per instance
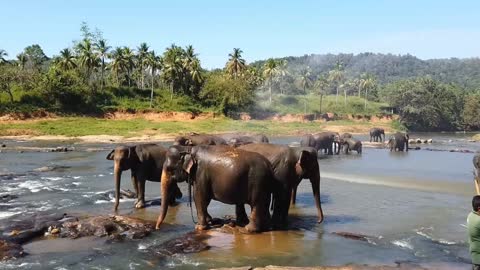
(172, 66)
(282, 72)
(321, 85)
(191, 68)
(117, 64)
(87, 57)
(154, 63)
(3, 54)
(66, 60)
(236, 64)
(142, 52)
(102, 51)
(270, 71)
(22, 60)
(367, 82)
(305, 82)
(129, 63)
(336, 76)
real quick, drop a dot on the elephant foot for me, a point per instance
(252, 228)
(139, 205)
(200, 227)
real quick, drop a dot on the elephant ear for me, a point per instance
(140, 152)
(301, 163)
(189, 163)
(111, 155)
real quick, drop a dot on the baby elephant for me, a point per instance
(351, 144)
(145, 162)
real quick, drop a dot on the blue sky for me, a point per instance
(262, 29)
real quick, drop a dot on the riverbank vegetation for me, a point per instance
(92, 77)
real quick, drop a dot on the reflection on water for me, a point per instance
(412, 206)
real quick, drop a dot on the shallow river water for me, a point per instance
(413, 207)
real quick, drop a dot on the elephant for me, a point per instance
(351, 144)
(145, 162)
(290, 165)
(242, 140)
(398, 142)
(223, 173)
(328, 141)
(376, 134)
(193, 139)
(476, 164)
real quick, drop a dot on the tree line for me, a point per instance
(92, 76)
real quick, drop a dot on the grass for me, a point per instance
(81, 126)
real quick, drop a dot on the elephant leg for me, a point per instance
(258, 218)
(135, 186)
(201, 203)
(293, 196)
(241, 215)
(141, 190)
(330, 150)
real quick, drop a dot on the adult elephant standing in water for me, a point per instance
(290, 165)
(476, 164)
(145, 162)
(398, 142)
(222, 173)
(327, 141)
(199, 139)
(376, 134)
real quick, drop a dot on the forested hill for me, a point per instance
(389, 67)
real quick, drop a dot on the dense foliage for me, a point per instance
(93, 77)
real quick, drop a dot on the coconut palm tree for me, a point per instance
(154, 63)
(3, 55)
(321, 85)
(22, 60)
(306, 82)
(236, 64)
(282, 72)
(270, 71)
(117, 65)
(172, 66)
(87, 59)
(142, 52)
(102, 52)
(66, 60)
(129, 63)
(367, 82)
(336, 77)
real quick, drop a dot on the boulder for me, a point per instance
(9, 250)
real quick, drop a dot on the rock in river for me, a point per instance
(10, 250)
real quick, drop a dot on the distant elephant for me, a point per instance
(398, 142)
(326, 141)
(223, 173)
(376, 134)
(290, 165)
(145, 162)
(351, 144)
(476, 164)
(242, 140)
(193, 139)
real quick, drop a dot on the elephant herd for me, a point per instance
(235, 170)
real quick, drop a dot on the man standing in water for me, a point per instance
(473, 227)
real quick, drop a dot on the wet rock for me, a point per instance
(353, 236)
(51, 168)
(192, 242)
(114, 227)
(7, 197)
(10, 250)
(61, 149)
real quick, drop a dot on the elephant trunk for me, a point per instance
(315, 181)
(117, 175)
(165, 183)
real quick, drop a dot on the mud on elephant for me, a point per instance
(221, 173)
(290, 165)
(145, 162)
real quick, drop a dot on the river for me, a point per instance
(412, 206)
